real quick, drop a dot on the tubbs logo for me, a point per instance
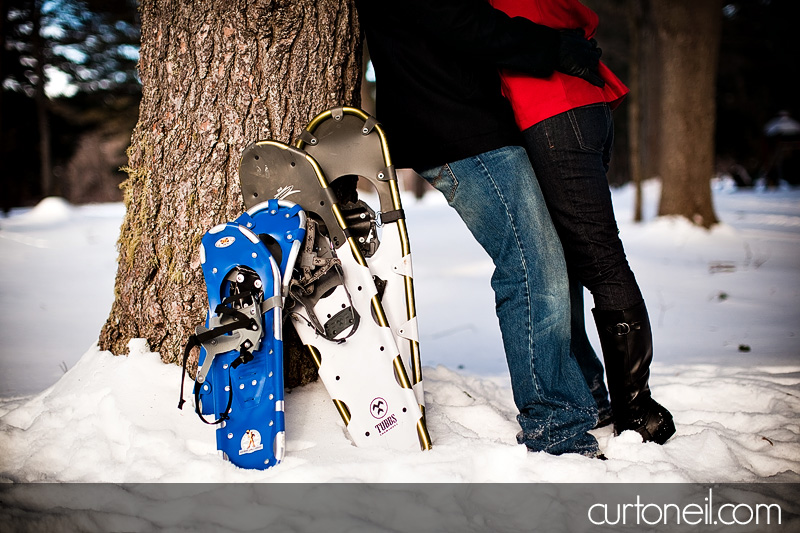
(224, 242)
(386, 424)
(378, 408)
(284, 192)
(251, 442)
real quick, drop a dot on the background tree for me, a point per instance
(644, 81)
(688, 37)
(636, 19)
(754, 82)
(96, 45)
(667, 52)
(85, 47)
(216, 76)
(26, 22)
(3, 18)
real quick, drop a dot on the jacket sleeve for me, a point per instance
(475, 27)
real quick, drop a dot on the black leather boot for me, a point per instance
(627, 343)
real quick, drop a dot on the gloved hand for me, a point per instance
(579, 57)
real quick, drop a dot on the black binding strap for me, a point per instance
(193, 343)
(392, 216)
(245, 356)
(224, 416)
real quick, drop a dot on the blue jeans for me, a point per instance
(590, 364)
(570, 153)
(498, 197)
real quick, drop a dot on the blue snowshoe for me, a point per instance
(240, 368)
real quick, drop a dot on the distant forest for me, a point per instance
(755, 82)
(69, 100)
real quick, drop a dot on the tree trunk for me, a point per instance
(688, 38)
(635, 19)
(3, 16)
(42, 104)
(6, 203)
(651, 92)
(216, 76)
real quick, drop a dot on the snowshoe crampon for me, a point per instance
(338, 314)
(240, 368)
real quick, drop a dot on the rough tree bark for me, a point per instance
(688, 39)
(216, 76)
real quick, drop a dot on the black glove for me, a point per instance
(579, 57)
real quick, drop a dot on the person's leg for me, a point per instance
(498, 197)
(587, 359)
(570, 154)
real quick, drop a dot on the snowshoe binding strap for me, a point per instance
(317, 274)
(231, 329)
(361, 222)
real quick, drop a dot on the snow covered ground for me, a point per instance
(724, 307)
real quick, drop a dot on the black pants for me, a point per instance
(570, 153)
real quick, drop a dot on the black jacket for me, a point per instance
(438, 90)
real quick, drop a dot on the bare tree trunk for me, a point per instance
(42, 104)
(3, 16)
(689, 36)
(635, 17)
(5, 204)
(650, 74)
(216, 76)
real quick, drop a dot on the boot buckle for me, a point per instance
(622, 328)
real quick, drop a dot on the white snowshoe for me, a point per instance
(338, 314)
(351, 131)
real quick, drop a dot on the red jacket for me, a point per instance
(536, 99)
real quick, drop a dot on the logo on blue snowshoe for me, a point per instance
(251, 442)
(225, 242)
